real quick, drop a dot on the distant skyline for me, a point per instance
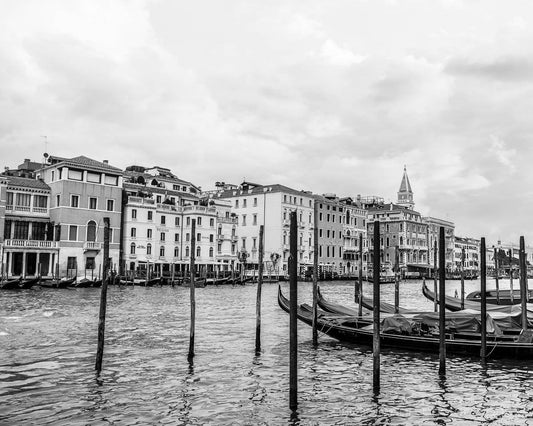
(316, 95)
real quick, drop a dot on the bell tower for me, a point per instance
(405, 194)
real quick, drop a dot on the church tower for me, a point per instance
(405, 194)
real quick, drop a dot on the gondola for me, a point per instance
(422, 338)
(216, 281)
(199, 283)
(83, 283)
(63, 283)
(504, 297)
(97, 283)
(10, 284)
(29, 283)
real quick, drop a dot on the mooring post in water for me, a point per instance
(293, 336)
(360, 277)
(192, 289)
(483, 272)
(376, 347)
(259, 286)
(315, 274)
(462, 278)
(103, 300)
(511, 275)
(435, 276)
(442, 318)
(523, 282)
(396, 280)
(496, 273)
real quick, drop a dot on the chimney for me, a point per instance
(105, 161)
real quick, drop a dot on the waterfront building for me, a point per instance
(433, 228)
(157, 222)
(470, 246)
(270, 206)
(330, 234)
(27, 244)
(354, 226)
(83, 192)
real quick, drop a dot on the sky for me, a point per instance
(320, 95)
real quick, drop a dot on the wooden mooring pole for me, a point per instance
(103, 300)
(462, 278)
(315, 274)
(396, 280)
(293, 336)
(435, 303)
(511, 275)
(523, 282)
(376, 347)
(442, 317)
(259, 288)
(496, 272)
(483, 272)
(360, 311)
(192, 290)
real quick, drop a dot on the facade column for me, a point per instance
(37, 268)
(24, 264)
(50, 263)
(7, 267)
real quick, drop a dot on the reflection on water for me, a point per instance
(48, 339)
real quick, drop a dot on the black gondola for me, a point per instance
(57, 283)
(359, 330)
(504, 297)
(10, 284)
(29, 283)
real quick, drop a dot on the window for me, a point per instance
(243, 242)
(132, 248)
(162, 236)
(236, 204)
(176, 237)
(284, 198)
(211, 252)
(176, 251)
(21, 231)
(177, 221)
(243, 220)
(133, 232)
(40, 201)
(111, 180)
(254, 242)
(74, 201)
(75, 174)
(91, 231)
(94, 177)
(71, 262)
(211, 238)
(244, 202)
(148, 248)
(158, 199)
(73, 233)
(163, 220)
(219, 248)
(188, 221)
(255, 202)
(110, 205)
(90, 263)
(255, 219)
(53, 175)
(162, 251)
(187, 251)
(198, 237)
(149, 233)
(211, 222)
(134, 213)
(198, 251)
(92, 203)
(150, 215)
(187, 237)
(199, 221)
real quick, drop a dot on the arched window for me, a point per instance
(133, 232)
(176, 251)
(132, 248)
(148, 248)
(198, 251)
(91, 231)
(141, 180)
(162, 251)
(187, 251)
(210, 251)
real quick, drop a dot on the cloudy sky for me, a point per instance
(327, 96)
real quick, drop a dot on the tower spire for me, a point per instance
(405, 194)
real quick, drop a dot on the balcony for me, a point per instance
(92, 245)
(220, 236)
(140, 200)
(26, 209)
(232, 220)
(31, 244)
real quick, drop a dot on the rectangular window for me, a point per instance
(90, 263)
(243, 242)
(236, 204)
(133, 232)
(134, 213)
(211, 222)
(158, 199)
(71, 262)
(162, 236)
(163, 220)
(23, 200)
(111, 180)
(74, 201)
(199, 221)
(53, 175)
(176, 237)
(92, 203)
(9, 200)
(244, 203)
(94, 177)
(188, 221)
(187, 237)
(21, 231)
(198, 237)
(73, 233)
(149, 233)
(58, 199)
(40, 201)
(150, 213)
(243, 220)
(110, 205)
(177, 221)
(211, 238)
(75, 174)
(255, 219)
(255, 202)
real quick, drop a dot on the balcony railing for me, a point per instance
(31, 244)
(27, 209)
(92, 245)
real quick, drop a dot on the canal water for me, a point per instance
(48, 345)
